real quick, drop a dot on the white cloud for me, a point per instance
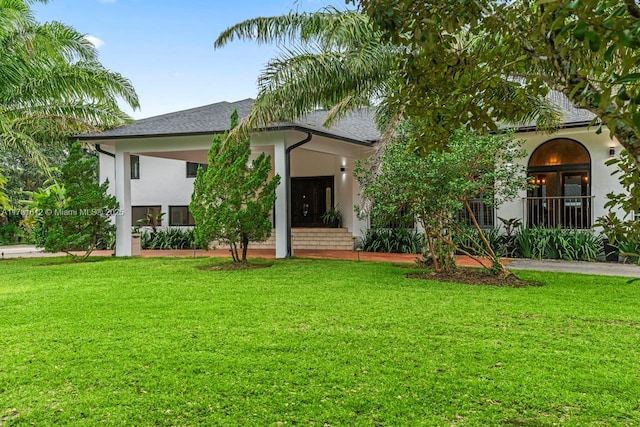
(96, 42)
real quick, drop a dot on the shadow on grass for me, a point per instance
(475, 276)
(227, 265)
(68, 260)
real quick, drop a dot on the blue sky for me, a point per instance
(165, 47)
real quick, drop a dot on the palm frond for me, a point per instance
(328, 28)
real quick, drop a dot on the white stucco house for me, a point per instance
(151, 166)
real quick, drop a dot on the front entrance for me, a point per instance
(310, 198)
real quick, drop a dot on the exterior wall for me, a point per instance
(162, 182)
(601, 180)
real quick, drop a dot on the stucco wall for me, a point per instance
(162, 182)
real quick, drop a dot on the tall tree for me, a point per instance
(329, 59)
(586, 49)
(53, 84)
(435, 187)
(77, 214)
(233, 197)
(338, 60)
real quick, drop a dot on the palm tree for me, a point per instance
(329, 59)
(336, 60)
(52, 84)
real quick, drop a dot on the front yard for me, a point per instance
(310, 342)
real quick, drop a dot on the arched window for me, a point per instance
(560, 170)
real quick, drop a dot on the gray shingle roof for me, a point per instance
(214, 118)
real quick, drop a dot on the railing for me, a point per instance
(483, 212)
(564, 212)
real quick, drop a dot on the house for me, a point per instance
(151, 165)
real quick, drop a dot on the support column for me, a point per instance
(280, 168)
(123, 196)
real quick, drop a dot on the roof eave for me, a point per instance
(314, 131)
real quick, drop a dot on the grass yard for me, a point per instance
(313, 343)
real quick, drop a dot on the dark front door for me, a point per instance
(310, 199)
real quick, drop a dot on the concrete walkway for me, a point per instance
(23, 251)
(582, 267)
(598, 268)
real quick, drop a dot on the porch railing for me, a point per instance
(483, 212)
(564, 212)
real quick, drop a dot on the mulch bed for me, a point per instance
(473, 276)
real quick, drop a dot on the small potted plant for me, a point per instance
(333, 217)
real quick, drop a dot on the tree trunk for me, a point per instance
(495, 260)
(245, 246)
(234, 251)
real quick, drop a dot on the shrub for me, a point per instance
(629, 251)
(10, 230)
(556, 243)
(394, 240)
(467, 239)
(170, 238)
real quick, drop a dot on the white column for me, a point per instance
(279, 161)
(123, 196)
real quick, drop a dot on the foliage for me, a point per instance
(586, 49)
(468, 241)
(338, 60)
(332, 216)
(159, 342)
(232, 199)
(557, 243)
(170, 238)
(392, 240)
(74, 214)
(10, 230)
(510, 225)
(23, 174)
(624, 231)
(4, 202)
(53, 85)
(629, 251)
(436, 186)
(333, 59)
(153, 220)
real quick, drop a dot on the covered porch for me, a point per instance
(316, 173)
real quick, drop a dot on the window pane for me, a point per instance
(139, 213)
(192, 168)
(180, 215)
(559, 152)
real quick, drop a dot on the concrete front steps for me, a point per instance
(313, 238)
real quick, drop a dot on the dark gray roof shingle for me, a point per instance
(214, 118)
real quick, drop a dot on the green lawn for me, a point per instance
(310, 342)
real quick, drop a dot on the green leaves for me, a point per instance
(233, 198)
(75, 213)
(331, 59)
(52, 84)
